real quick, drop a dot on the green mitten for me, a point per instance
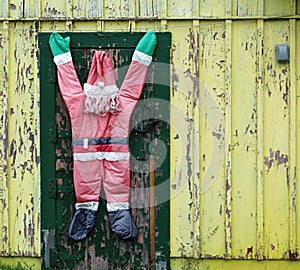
(58, 44)
(147, 43)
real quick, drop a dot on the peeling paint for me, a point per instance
(13, 7)
(19, 150)
(249, 251)
(48, 242)
(275, 157)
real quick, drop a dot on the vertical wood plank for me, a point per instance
(111, 9)
(244, 139)
(279, 8)
(87, 9)
(4, 9)
(195, 139)
(180, 8)
(32, 8)
(4, 74)
(292, 140)
(212, 60)
(162, 9)
(276, 143)
(260, 141)
(213, 8)
(244, 8)
(196, 8)
(228, 8)
(56, 9)
(181, 178)
(148, 8)
(260, 7)
(119, 9)
(298, 129)
(130, 9)
(16, 8)
(95, 9)
(294, 4)
(228, 143)
(68, 9)
(23, 160)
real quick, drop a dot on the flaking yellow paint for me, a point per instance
(212, 43)
(244, 138)
(189, 264)
(20, 181)
(234, 109)
(254, 190)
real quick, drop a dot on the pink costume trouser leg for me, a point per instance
(89, 176)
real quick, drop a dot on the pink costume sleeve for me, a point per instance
(133, 83)
(70, 87)
(130, 92)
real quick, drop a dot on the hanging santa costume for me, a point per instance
(100, 116)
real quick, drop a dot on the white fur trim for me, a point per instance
(117, 206)
(87, 205)
(142, 58)
(111, 156)
(100, 89)
(62, 58)
(101, 99)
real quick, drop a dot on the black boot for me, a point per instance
(122, 224)
(82, 223)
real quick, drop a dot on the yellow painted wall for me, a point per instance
(20, 183)
(246, 208)
(234, 152)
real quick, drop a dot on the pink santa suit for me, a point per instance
(100, 117)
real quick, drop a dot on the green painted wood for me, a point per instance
(102, 250)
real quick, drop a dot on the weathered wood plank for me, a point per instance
(147, 9)
(244, 139)
(119, 9)
(260, 142)
(279, 8)
(212, 60)
(56, 9)
(23, 158)
(244, 8)
(32, 8)
(298, 131)
(292, 143)
(89, 9)
(215, 8)
(276, 143)
(182, 8)
(4, 74)
(182, 148)
(4, 9)
(15, 9)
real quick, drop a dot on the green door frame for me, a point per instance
(49, 188)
